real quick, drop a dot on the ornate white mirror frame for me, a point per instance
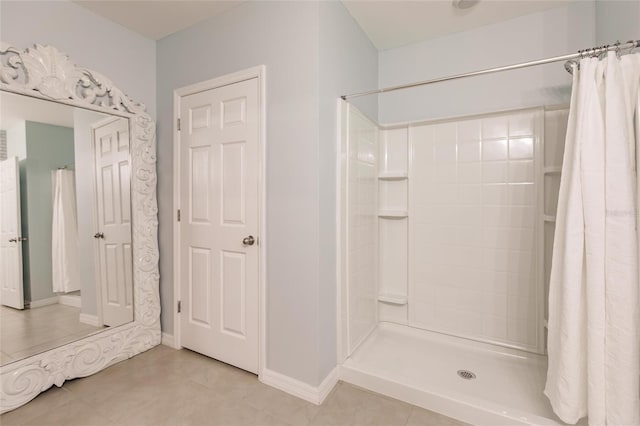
(44, 72)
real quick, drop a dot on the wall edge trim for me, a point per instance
(314, 394)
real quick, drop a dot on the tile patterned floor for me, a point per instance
(28, 332)
(164, 386)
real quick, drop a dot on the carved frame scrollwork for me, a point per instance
(46, 73)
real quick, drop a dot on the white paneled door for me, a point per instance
(11, 292)
(113, 181)
(219, 166)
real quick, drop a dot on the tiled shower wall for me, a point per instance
(475, 228)
(472, 250)
(361, 204)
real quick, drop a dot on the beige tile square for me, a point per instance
(422, 417)
(47, 401)
(226, 381)
(230, 414)
(73, 413)
(349, 405)
(282, 405)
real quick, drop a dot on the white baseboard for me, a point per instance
(328, 384)
(313, 394)
(168, 340)
(70, 300)
(90, 320)
(44, 302)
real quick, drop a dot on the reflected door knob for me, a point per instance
(98, 235)
(248, 241)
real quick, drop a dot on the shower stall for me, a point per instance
(445, 235)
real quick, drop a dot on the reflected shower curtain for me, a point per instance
(594, 322)
(64, 238)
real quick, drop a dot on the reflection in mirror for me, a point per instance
(65, 225)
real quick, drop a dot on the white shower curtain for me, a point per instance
(594, 321)
(64, 238)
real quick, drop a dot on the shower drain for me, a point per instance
(466, 374)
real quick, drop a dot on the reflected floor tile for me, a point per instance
(164, 386)
(31, 331)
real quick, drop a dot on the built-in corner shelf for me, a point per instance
(393, 176)
(553, 170)
(394, 299)
(392, 214)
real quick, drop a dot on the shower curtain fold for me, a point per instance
(64, 238)
(594, 303)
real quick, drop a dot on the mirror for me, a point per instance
(65, 225)
(125, 274)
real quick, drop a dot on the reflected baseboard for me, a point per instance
(63, 299)
(70, 300)
(44, 302)
(92, 320)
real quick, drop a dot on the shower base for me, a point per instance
(433, 371)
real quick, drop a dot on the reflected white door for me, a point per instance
(219, 224)
(113, 233)
(11, 291)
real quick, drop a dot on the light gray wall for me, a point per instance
(313, 53)
(85, 199)
(126, 58)
(348, 64)
(17, 147)
(284, 37)
(617, 20)
(553, 32)
(48, 147)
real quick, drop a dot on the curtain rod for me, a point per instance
(594, 51)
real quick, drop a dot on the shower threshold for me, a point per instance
(474, 382)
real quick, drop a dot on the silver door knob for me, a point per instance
(248, 241)
(98, 235)
(16, 239)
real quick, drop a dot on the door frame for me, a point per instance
(19, 244)
(225, 80)
(97, 264)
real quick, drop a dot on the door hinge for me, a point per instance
(178, 215)
(179, 306)
(178, 124)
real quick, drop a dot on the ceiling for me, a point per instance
(156, 19)
(388, 24)
(16, 108)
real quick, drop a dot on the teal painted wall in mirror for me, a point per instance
(47, 148)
